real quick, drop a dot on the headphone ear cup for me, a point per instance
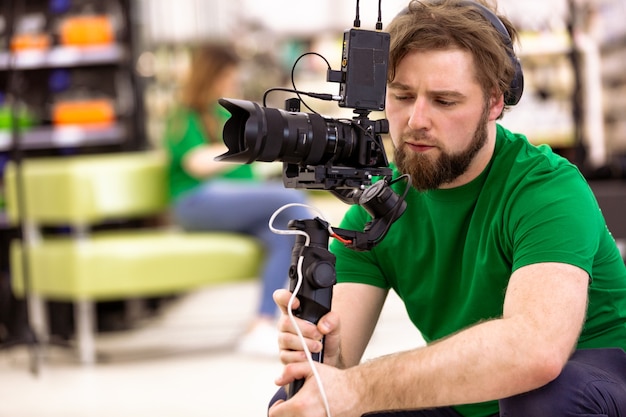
(516, 88)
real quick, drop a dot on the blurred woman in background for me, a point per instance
(207, 195)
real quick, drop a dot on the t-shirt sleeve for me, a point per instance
(555, 218)
(183, 134)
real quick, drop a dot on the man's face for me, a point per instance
(439, 121)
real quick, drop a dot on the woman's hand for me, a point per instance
(200, 162)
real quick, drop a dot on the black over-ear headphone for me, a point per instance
(513, 95)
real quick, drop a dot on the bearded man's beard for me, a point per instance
(428, 173)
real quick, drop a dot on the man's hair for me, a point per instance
(445, 24)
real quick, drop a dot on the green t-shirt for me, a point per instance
(184, 132)
(450, 256)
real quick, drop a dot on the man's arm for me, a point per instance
(359, 306)
(526, 348)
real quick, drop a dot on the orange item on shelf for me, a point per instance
(30, 41)
(86, 30)
(83, 112)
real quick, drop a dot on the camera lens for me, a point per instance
(255, 133)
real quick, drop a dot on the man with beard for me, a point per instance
(502, 257)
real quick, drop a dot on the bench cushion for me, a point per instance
(89, 189)
(119, 264)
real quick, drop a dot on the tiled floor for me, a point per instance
(181, 364)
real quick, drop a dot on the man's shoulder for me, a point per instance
(515, 151)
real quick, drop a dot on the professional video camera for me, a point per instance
(339, 155)
(320, 152)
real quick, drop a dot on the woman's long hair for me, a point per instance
(208, 63)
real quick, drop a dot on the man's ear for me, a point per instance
(496, 106)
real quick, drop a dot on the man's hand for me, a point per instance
(308, 401)
(290, 345)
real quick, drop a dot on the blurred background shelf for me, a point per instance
(63, 56)
(66, 136)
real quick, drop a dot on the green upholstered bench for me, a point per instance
(85, 266)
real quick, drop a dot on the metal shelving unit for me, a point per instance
(36, 79)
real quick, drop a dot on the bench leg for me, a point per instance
(84, 316)
(38, 322)
(38, 318)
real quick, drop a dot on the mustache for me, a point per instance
(418, 136)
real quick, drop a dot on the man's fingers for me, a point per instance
(292, 372)
(282, 297)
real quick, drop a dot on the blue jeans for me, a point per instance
(246, 207)
(593, 383)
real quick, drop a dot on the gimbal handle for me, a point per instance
(318, 277)
(318, 263)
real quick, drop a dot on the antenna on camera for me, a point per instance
(357, 18)
(379, 23)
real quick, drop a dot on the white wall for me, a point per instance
(305, 17)
(187, 20)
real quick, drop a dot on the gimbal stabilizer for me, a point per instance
(318, 264)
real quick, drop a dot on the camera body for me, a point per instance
(366, 159)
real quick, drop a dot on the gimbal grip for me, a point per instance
(318, 278)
